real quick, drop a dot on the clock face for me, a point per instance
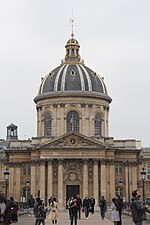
(72, 141)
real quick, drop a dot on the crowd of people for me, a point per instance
(39, 211)
(75, 205)
(137, 209)
(8, 210)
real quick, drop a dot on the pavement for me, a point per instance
(63, 219)
(94, 219)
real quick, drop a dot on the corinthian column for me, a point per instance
(42, 180)
(95, 182)
(60, 184)
(50, 179)
(33, 177)
(17, 180)
(112, 181)
(103, 179)
(134, 176)
(85, 178)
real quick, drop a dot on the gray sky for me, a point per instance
(114, 36)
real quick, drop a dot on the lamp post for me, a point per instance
(143, 178)
(27, 188)
(6, 178)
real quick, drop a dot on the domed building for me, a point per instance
(72, 98)
(72, 152)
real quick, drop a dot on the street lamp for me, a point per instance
(27, 188)
(6, 178)
(143, 178)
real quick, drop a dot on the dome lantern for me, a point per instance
(72, 52)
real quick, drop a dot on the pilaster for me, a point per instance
(50, 179)
(103, 178)
(95, 182)
(42, 180)
(60, 184)
(85, 178)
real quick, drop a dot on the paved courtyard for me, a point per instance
(92, 220)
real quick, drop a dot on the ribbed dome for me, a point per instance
(72, 77)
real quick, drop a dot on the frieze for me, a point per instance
(62, 105)
(55, 105)
(83, 105)
(90, 105)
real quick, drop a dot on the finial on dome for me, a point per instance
(72, 34)
(72, 24)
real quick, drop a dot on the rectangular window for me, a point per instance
(118, 169)
(26, 169)
(148, 171)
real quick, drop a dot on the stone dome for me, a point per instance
(73, 77)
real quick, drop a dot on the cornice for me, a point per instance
(72, 94)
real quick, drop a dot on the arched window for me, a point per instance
(72, 121)
(97, 125)
(48, 125)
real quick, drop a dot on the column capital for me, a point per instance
(95, 161)
(85, 161)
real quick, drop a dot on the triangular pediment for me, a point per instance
(72, 139)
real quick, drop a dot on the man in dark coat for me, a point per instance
(35, 210)
(103, 207)
(120, 207)
(137, 208)
(79, 202)
(92, 204)
(86, 206)
(73, 211)
(30, 203)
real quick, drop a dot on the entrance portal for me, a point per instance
(72, 190)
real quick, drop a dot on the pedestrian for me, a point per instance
(137, 208)
(79, 202)
(115, 212)
(68, 206)
(14, 210)
(2, 210)
(53, 216)
(74, 210)
(103, 207)
(120, 207)
(30, 204)
(41, 213)
(92, 204)
(35, 210)
(86, 206)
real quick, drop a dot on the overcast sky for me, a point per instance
(114, 36)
